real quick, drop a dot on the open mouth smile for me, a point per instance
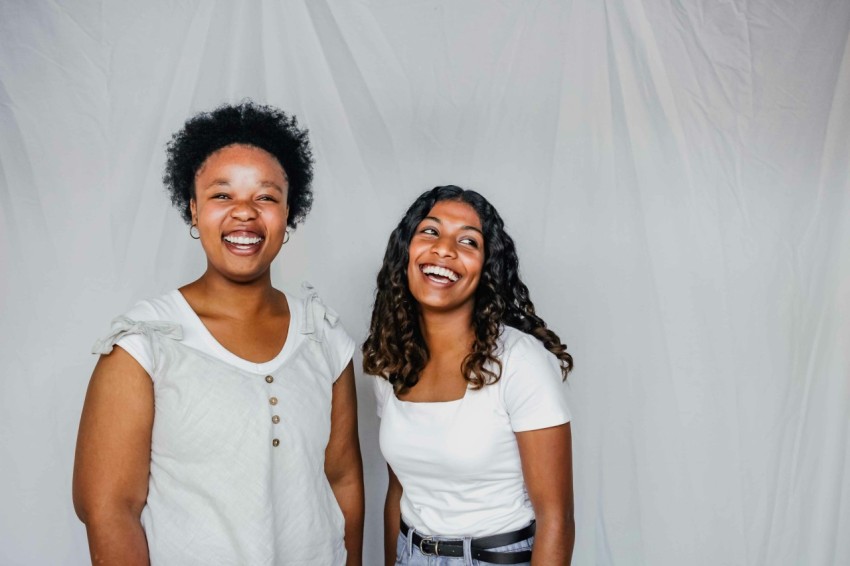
(243, 241)
(439, 274)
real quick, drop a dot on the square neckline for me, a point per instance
(438, 403)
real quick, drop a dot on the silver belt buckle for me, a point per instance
(436, 546)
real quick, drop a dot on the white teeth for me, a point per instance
(242, 240)
(441, 271)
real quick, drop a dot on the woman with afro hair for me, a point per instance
(220, 423)
(474, 425)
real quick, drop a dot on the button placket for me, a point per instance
(273, 402)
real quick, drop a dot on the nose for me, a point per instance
(444, 247)
(243, 210)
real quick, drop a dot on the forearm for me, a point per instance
(349, 494)
(344, 465)
(546, 456)
(392, 518)
(117, 539)
(553, 540)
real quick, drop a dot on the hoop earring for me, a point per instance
(194, 232)
(286, 237)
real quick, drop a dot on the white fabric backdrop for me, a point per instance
(675, 175)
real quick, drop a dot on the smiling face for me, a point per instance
(446, 256)
(240, 208)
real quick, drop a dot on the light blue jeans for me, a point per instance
(408, 554)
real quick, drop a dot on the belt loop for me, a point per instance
(410, 542)
(467, 551)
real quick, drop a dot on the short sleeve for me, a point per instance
(383, 390)
(340, 347)
(532, 387)
(137, 344)
(321, 324)
(136, 337)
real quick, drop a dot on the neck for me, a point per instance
(447, 331)
(214, 293)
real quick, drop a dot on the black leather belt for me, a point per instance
(430, 547)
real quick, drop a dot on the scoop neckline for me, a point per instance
(226, 355)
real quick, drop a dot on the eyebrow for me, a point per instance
(438, 221)
(224, 182)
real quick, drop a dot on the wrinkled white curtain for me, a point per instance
(675, 175)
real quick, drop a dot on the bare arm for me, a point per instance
(547, 468)
(112, 463)
(343, 465)
(392, 517)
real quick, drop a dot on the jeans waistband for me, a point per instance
(430, 546)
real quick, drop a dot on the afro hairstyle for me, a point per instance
(248, 123)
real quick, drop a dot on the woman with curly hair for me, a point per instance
(220, 423)
(474, 424)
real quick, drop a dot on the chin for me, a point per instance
(443, 306)
(242, 276)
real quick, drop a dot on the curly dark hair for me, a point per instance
(395, 348)
(265, 127)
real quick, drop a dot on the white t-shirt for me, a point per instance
(458, 461)
(237, 448)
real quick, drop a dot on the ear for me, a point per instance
(193, 208)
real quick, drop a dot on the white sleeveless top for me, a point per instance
(237, 452)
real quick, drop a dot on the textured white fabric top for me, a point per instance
(229, 482)
(458, 461)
